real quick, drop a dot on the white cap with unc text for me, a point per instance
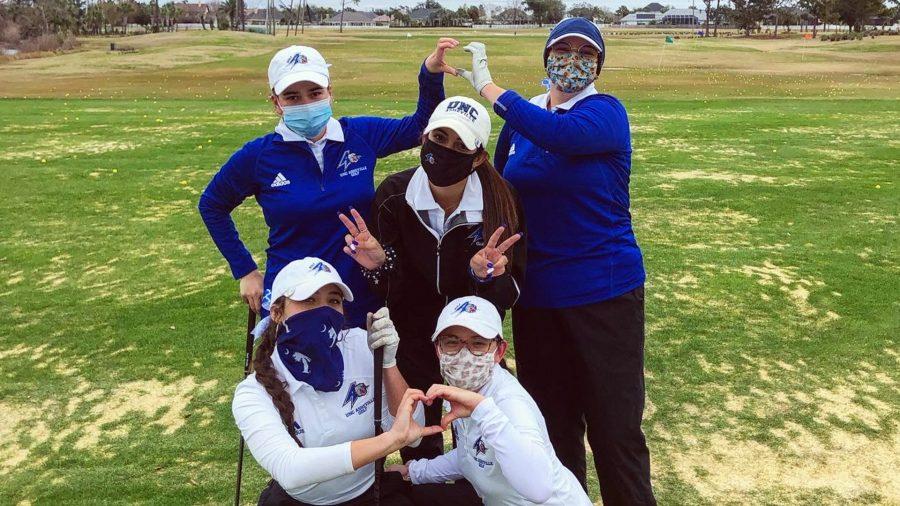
(473, 313)
(300, 279)
(465, 116)
(297, 63)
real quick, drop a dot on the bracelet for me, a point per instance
(390, 263)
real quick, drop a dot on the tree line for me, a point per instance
(21, 20)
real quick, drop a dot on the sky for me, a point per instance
(365, 5)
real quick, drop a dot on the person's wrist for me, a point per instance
(430, 63)
(476, 400)
(393, 441)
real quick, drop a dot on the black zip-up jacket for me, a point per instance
(427, 273)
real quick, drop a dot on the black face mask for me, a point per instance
(445, 166)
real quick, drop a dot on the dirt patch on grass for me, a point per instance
(725, 177)
(93, 418)
(796, 288)
(163, 403)
(849, 465)
(835, 435)
(57, 148)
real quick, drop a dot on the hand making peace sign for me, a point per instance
(491, 260)
(361, 245)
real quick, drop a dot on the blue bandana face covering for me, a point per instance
(307, 120)
(308, 348)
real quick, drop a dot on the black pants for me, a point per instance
(393, 493)
(460, 493)
(584, 366)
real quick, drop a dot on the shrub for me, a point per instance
(47, 42)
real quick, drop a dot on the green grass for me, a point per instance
(764, 197)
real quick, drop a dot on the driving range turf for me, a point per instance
(764, 196)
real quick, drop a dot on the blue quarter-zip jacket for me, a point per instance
(572, 170)
(300, 202)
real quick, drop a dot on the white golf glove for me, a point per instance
(480, 76)
(384, 334)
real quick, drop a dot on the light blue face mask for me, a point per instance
(307, 120)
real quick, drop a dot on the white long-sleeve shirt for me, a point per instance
(321, 472)
(503, 449)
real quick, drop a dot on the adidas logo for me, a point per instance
(280, 180)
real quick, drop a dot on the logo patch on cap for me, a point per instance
(297, 58)
(319, 267)
(465, 307)
(463, 108)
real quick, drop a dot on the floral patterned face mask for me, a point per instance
(467, 371)
(571, 72)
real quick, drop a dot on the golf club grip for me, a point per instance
(379, 375)
(248, 350)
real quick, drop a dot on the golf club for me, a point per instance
(248, 356)
(379, 363)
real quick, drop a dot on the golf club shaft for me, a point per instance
(379, 370)
(248, 357)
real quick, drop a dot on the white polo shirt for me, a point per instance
(321, 472)
(544, 99)
(420, 198)
(504, 451)
(333, 132)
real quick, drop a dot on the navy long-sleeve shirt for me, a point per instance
(300, 201)
(571, 167)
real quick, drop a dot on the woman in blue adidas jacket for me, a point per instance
(307, 171)
(579, 323)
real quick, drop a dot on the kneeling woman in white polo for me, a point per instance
(502, 448)
(307, 411)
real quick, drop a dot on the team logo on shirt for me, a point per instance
(355, 393)
(481, 449)
(465, 307)
(298, 430)
(298, 58)
(280, 180)
(348, 159)
(512, 149)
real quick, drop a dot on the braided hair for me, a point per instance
(266, 375)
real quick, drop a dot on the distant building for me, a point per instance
(352, 18)
(424, 17)
(257, 17)
(383, 20)
(195, 13)
(683, 17)
(654, 7)
(641, 18)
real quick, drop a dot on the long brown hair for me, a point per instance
(268, 377)
(499, 203)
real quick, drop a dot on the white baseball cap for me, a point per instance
(473, 313)
(465, 116)
(301, 278)
(297, 63)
